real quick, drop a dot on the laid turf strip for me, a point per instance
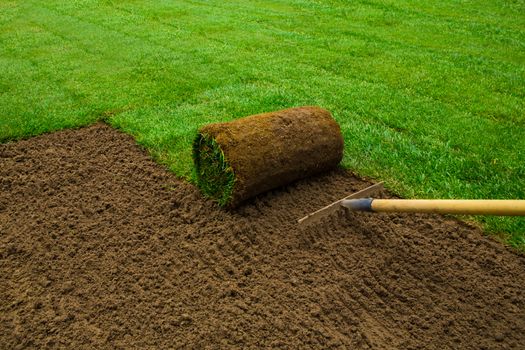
(429, 94)
(237, 160)
(102, 247)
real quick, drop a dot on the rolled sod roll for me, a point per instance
(245, 157)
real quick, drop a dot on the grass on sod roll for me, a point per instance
(214, 176)
(429, 95)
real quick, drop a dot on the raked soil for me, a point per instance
(100, 247)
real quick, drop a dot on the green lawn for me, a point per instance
(429, 94)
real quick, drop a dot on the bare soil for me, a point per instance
(100, 247)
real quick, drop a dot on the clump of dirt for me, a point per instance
(102, 247)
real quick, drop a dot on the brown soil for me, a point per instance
(102, 248)
(273, 149)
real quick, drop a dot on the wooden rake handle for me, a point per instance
(440, 206)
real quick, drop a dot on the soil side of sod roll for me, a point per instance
(100, 247)
(237, 160)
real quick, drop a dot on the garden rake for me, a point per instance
(360, 201)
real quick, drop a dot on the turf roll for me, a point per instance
(240, 159)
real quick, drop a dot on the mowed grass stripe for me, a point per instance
(430, 96)
(376, 70)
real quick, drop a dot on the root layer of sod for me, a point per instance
(237, 160)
